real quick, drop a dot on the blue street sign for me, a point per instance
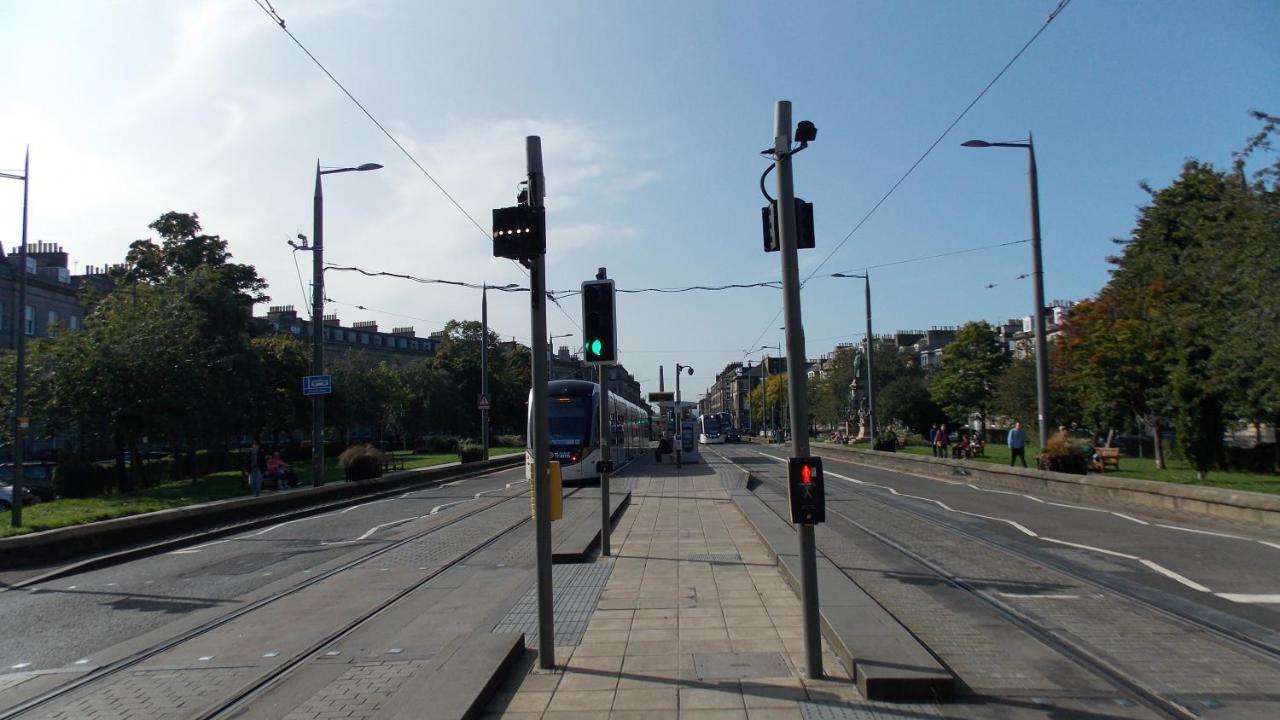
(317, 384)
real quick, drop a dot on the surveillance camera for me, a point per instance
(302, 237)
(806, 132)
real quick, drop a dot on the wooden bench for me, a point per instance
(1107, 458)
(392, 464)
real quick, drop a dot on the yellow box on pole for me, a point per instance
(557, 494)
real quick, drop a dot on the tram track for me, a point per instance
(265, 680)
(1069, 648)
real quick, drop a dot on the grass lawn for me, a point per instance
(1176, 470)
(218, 486)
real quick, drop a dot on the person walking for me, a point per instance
(1017, 445)
(276, 468)
(255, 470)
(940, 441)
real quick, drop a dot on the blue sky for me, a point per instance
(652, 116)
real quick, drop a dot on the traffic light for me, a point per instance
(520, 232)
(806, 493)
(804, 226)
(599, 326)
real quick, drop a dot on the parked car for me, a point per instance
(6, 497)
(37, 478)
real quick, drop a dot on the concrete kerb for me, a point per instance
(1234, 506)
(48, 546)
(900, 667)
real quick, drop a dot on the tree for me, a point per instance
(1015, 396)
(907, 400)
(964, 382)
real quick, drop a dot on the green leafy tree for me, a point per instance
(965, 380)
(907, 400)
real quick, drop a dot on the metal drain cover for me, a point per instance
(734, 666)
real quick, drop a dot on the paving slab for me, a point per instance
(576, 536)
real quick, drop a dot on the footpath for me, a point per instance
(694, 621)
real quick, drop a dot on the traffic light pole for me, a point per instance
(317, 335)
(539, 432)
(484, 369)
(796, 378)
(605, 430)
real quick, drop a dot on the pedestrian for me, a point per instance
(933, 430)
(940, 441)
(254, 470)
(1017, 445)
(276, 468)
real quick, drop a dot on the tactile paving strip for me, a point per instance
(835, 710)
(575, 589)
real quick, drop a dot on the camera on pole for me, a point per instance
(599, 324)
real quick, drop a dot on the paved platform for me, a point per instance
(694, 621)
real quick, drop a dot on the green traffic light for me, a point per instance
(596, 346)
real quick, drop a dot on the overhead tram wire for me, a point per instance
(1062, 5)
(270, 11)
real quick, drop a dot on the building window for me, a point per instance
(351, 336)
(53, 322)
(29, 320)
(73, 322)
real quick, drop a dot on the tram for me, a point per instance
(574, 424)
(709, 431)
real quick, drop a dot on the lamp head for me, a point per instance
(976, 143)
(369, 166)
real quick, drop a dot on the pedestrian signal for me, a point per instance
(806, 493)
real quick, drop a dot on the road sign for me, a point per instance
(317, 384)
(805, 490)
(662, 397)
(24, 422)
(482, 401)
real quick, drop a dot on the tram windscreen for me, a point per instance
(710, 424)
(570, 421)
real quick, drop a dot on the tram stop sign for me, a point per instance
(805, 490)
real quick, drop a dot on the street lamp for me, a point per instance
(20, 343)
(871, 397)
(317, 317)
(484, 361)
(1037, 277)
(679, 440)
(765, 382)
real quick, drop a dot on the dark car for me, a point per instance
(731, 434)
(37, 478)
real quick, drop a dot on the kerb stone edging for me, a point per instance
(80, 540)
(1235, 506)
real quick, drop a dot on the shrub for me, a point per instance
(470, 447)
(1064, 453)
(508, 441)
(436, 445)
(362, 462)
(79, 479)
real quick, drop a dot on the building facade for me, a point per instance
(52, 300)
(400, 346)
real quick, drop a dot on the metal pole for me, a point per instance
(678, 437)
(606, 426)
(796, 379)
(1037, 278)
(484, 368)
(871, 396)
(768, 421)
(317, 338)
(539, 432)
(19, 401)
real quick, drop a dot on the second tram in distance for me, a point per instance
(709, 430)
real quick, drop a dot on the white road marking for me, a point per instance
(1202, 532)
(1176, 577)
(438, 508)
(198, 548)
(1034, 596)
(1268, 543)
(376, 528)
(205, 658)
(271, 654)
(1247, 598)
(19, 666)
(1130, 518)
(486, 492)
(517, 482)
(455, 482)
(84, 661)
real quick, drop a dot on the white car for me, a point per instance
(6, 497)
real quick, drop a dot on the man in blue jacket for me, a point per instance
(1017, 445)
